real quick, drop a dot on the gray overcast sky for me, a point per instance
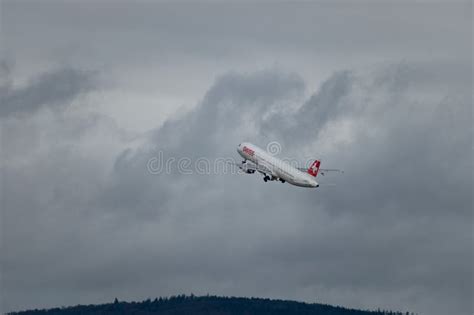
(90, 91)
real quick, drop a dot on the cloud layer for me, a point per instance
(84, 220)
(89, 93)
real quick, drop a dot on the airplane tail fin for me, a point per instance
(314, 168)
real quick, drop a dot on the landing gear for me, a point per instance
(282, 181)
(266, 178)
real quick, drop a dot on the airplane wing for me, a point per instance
(252, 168)
(323, 171)
(327, 170)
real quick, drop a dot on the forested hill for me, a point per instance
(209, 305)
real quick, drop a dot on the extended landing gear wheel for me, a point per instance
(266, 178)
(282, 181)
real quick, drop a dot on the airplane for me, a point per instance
(273, 168)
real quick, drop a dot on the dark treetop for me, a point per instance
(183, 304)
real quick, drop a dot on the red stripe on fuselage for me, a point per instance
(248, 151)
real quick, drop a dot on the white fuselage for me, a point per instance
(277, 168)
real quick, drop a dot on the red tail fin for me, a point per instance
(314, 168)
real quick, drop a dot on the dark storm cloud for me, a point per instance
(396, 226)
(84, 221)
(392, 217)
(211, 131)
(53, 89)
(398, 179)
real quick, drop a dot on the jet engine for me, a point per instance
(245, 167)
